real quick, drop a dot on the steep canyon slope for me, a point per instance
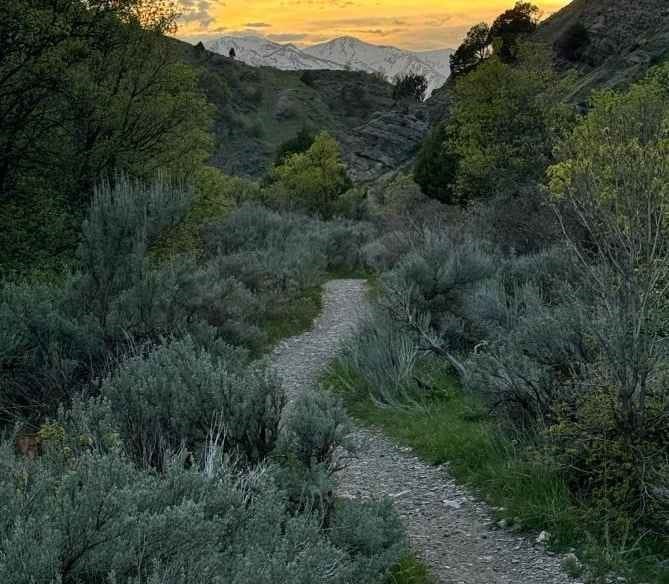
(625, 39)
(259, 108)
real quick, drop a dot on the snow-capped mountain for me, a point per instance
(340, 53)
(390, 61)
(260, 52)
(438, 58)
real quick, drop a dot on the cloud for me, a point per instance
(374, 21)
(377, 31)
(198, 12)
(438, 21)
(257, 25)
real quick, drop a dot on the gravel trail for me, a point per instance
(453, 532)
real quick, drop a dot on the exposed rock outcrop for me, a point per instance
(626, 38)
(384, 144)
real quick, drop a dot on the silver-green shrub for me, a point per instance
(45, 354)
(181, 297)
(372, 532)
(313, 446)
(380, 362)
(289, 249)
(84, 512)
(178, 395)
(528, 365)
(124, 218)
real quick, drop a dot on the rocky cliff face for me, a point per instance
(386, 143)
(626, 38)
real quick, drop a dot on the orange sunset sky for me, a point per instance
(410, 24)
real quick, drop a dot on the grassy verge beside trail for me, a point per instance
(410, 570)
(295, 317)
(512, 475)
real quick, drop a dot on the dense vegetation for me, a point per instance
(411, 86)
(518, 325)
(522, 338)
(130, 387)
(88, 89)
(143, 436)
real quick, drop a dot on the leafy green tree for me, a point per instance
(93, 86)
(510, 27)
(412, 86)
(503, 125)
(315, 179)
(614, 174)
(474, 50)
(436, 166)
(87, 89)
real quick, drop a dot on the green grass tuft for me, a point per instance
(295, 317)
(410, 570)
(457, 430)
(512, 474)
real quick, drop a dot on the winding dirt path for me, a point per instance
(450, 530)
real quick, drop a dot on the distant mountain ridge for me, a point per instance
(338, 54)
(260, 52)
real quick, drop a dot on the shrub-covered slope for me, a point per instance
(624, 39)
(259, 108)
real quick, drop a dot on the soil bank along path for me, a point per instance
(452, 531)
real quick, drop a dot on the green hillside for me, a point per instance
(257, 109)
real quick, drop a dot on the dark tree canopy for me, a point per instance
(301, 142)
(411, 86)
(89, 88)
(503, 36)
(510, 26)
(436, 166)
(473, 50)
(574, 40)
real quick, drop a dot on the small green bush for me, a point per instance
(372, 532)
(179, 396)
(316, 427)
(313, 180)
(46, 355)
(436, 166)
(300, 143)
(124, 219)
(621, 477)
(314, 441)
